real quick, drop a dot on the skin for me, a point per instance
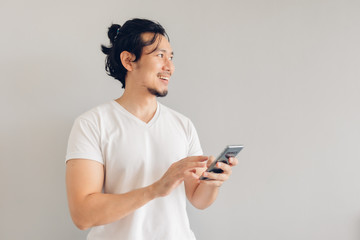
(85, 178)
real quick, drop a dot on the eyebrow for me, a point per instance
(163, 50)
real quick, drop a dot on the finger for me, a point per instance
(225, 167)
(216, 176)
(192, 165)
(233, 161)
(210, 160)
(196, 159)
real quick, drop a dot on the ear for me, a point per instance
(127, 59)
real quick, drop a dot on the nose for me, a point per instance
(169, 66)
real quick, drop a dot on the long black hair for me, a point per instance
(128, 38)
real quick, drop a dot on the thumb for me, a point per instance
(210, 160)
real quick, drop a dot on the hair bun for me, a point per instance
(113, 32)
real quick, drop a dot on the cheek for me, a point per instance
(154, 66)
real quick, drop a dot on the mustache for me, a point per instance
(165, 74)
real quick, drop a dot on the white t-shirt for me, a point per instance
(136, 154)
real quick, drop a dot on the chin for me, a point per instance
(158, 93)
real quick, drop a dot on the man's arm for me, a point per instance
(202, 193)
(90, 207)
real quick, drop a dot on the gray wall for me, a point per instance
(280, 77)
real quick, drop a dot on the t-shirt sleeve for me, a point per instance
(194, 142)
(84, 141)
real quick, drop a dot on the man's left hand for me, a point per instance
(217, 179)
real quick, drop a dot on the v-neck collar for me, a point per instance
(132, 116)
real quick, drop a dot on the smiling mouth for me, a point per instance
(164, 78)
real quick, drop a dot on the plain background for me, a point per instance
(281, 77)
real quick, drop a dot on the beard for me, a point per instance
(157, 93)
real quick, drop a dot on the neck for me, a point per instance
(143, 106)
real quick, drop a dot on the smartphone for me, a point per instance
(229, 151)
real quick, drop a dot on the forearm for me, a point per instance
(99, 208)
(204, 195)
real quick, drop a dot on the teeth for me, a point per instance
(165, 78)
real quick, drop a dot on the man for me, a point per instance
(132, 161)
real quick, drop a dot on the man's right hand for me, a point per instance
(176, 173)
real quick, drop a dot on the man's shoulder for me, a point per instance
(97, 112)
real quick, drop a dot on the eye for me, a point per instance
(171, 58)
(161, 55)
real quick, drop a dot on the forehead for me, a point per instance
(160, 43)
